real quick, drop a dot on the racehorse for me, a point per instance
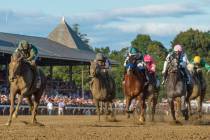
(102, 87)
(152, 92)
(133, 87)
(198, 89)
(176, 87)
(22, 79)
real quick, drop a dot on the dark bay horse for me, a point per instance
(102, 88)
(176, 88)
(22, 82)
(133, 87)
(198, 89)
(152, 93)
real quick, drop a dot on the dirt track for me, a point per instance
(86, 127)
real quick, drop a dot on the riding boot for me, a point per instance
(188, 79)
(147, 78)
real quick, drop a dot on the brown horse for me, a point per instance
(133, 87)
(103, 89)
(199, 88)
(22, 82)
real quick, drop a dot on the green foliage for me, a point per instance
(83, 37)
(141, 42)
(105, 50)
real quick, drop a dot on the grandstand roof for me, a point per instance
(62, 47)
(63, 34)
(48, 50)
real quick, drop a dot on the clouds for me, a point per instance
(115, 27)
(148, 11)
(157, 29)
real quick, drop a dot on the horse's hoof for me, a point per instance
(176, 122)
(14, 116)
(142, 119)
(7, 124)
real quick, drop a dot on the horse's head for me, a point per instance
(131, 65)
(15, 67)
(174, 65)
(94, 69)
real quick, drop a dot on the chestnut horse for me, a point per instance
(133, 87)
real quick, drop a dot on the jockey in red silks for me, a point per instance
(150, 69)
(150, 64)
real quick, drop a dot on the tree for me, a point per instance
(103, 50)
(141, 42)
(83, 37)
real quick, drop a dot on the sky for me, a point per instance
(113, 23)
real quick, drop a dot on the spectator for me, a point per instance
(50, 107)
(61, 106)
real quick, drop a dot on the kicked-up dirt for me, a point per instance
(87, 127)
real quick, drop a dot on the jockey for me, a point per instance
(183, 61)
(100, 60)
(29, 53)
(103, 62)
(150, 67)
(134, 52)
(104, 66)
(200, 63)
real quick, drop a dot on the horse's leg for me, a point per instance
(154, 103)
(200, 100)
(20, 98)
(97, 108)
(149, 103)
(106, 109)
(189, 108)
(184, 108)
(171, 103)
(189, 105)
(31, 105)
(37, 97)
(12, 100)
(128, 103)
(113, 109)
(178, 107)
(143, 106)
